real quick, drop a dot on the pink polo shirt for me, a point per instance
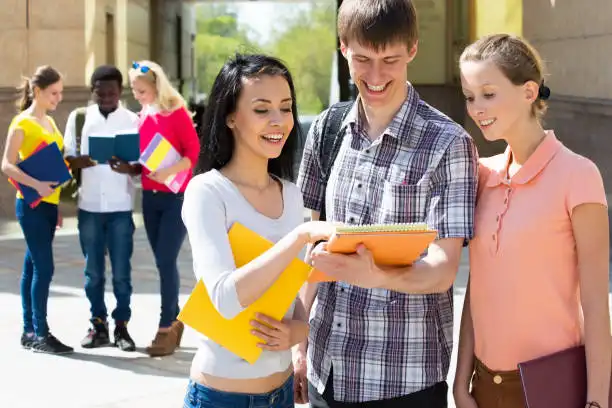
(524, 291)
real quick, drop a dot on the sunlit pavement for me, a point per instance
(107, 377)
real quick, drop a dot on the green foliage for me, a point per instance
(218, 37)
(306, 42)
(307, 46)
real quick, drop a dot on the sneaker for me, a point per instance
(50, 345)
(27, 339)
(97, 335)
(122, 338)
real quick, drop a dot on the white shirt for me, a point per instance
(102, 189)
(212, 203)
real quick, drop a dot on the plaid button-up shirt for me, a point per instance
(384, 344)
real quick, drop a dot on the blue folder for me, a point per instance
(101, 149)
(47, 164)
(127, 146)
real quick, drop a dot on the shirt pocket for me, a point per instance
(403, 203)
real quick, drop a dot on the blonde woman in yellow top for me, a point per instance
(40, 94)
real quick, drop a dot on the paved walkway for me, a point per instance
(102, 378)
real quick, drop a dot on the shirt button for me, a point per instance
(339, 324)
(359, 185)
(367, 151)
(497, 218)
(352, 220)
(494, 237)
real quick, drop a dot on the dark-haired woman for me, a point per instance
(31, 127)
(246, 159)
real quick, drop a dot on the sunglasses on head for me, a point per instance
(143, 68)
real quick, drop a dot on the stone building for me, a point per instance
(574, 38)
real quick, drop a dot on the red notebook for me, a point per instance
(558, 380)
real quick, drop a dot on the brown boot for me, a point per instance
(166, 342)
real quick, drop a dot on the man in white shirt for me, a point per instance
(105, 200)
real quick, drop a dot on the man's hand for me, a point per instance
(300, 381)
(80, 162)
(121, 166)
(357, 269)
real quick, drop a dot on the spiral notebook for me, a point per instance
(390, 244)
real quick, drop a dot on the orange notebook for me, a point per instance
(391, 244)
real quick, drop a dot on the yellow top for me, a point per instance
(33, 134)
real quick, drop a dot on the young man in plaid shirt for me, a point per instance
(383, 338)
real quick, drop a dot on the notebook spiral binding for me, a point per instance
(397, 227)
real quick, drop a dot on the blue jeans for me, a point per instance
(38, 225)
(200, 396)
(115, 231)
(166, 232)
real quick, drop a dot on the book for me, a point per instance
(46, 163)
(235, 334)
(557, 380)
(101, 148)
(160, 154)
(390, 244)
(127, 146)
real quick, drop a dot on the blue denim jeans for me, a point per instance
(200, 396)
(166, 232)
(38, 225)
(115, 231)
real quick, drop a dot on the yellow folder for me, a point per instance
(235, 334)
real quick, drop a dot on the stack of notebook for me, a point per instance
(390, 244)
(160, 154)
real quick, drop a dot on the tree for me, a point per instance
(218, 37)
(307, 45)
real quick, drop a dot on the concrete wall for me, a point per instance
(575, 41)
(41, 35)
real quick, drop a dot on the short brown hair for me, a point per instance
(514, 57)
(378, 23)
(43, 77)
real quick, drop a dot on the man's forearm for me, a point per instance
(424, 277)
(434, 273)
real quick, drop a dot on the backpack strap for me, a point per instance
(330, 142)
(79, 123)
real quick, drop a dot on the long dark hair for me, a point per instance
(43, 77)
(217, 140)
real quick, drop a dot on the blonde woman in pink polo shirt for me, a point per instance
(539, 259)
